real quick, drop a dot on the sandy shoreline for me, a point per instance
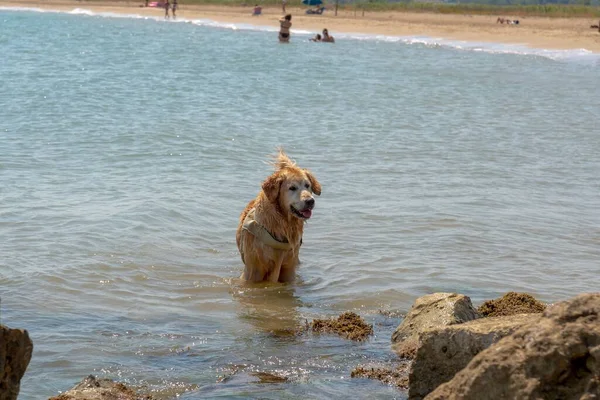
(535, 32)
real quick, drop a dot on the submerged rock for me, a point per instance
(510, 304)
(391, 313)
(91, 388)
(15, 353)
(445, 351)
(269, 377)
(349, 325)
(241, 373)
(396, 375)
(558, 357)
(431, 311)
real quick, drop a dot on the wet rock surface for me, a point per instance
(269, 377)
(348, 325)
(237, 375)
(510, 304)
(396, 375)
(15, 353)
(431, 311)
(558, 357)
(445, 351)
(91, 388)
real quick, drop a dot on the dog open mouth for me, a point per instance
(302, 214)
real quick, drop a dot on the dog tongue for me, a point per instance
(306, 213)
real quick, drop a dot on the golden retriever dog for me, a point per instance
(269, 234)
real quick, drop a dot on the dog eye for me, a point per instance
(293, 188)
(307, 186)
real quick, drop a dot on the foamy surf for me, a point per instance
(487, 47)
(579, 55)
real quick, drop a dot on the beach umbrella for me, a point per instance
(312, 2)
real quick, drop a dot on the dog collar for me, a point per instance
(262, 234)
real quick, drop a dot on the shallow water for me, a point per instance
(128, 148)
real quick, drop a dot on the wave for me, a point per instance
(487, 47)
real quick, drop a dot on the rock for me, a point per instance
(431, 311)
(445, 351)
(396, 375)
(91, 388)
(269, 377)
(349, 325)
(510, 304)
(556, 358)
(15, 353)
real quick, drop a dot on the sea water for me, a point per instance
(129, 146)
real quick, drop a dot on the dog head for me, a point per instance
(291, 188)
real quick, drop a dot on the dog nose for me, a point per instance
(310, 203)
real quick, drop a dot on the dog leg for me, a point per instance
(276, 271)
(252, 272)
(250, 276)
(274, 275)
(287, 274)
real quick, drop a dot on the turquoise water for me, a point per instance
(129, 146)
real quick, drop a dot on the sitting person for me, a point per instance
(318, 10)
(317, 38)
(257, 10)
(326, 37)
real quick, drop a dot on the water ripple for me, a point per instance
(128, 148)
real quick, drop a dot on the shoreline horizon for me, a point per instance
(533, 33)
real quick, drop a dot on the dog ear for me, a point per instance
(314, 183)
(271, 187)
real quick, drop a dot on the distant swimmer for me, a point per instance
(326, 37)
(284, 30)
(167, 6)
(317, 38)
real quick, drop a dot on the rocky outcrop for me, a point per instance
(558, 357)
(445, 351)
(91, 388)
(431, 311)
(15, 353)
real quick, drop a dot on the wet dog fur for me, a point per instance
(282, 207)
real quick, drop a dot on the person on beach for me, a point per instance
(326, 37)
(174, 8)
(317, 38)
(283, 6)
(167, 6)
(285, 24)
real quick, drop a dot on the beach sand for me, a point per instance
(535, 32)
